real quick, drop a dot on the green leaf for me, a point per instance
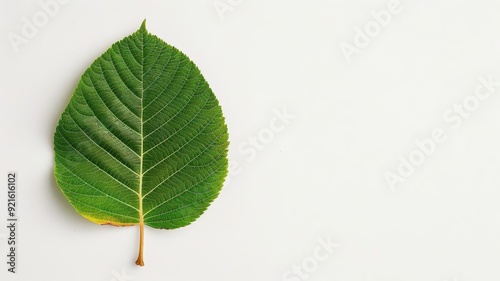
(143, 140)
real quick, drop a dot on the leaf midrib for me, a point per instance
(141, 158)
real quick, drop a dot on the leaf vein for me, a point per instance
(97, 166)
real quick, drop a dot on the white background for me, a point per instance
(322, 175)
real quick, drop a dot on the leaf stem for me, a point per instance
(140, 258)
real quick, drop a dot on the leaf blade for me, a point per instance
(143, 139)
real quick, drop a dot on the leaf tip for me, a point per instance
(143, 25)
